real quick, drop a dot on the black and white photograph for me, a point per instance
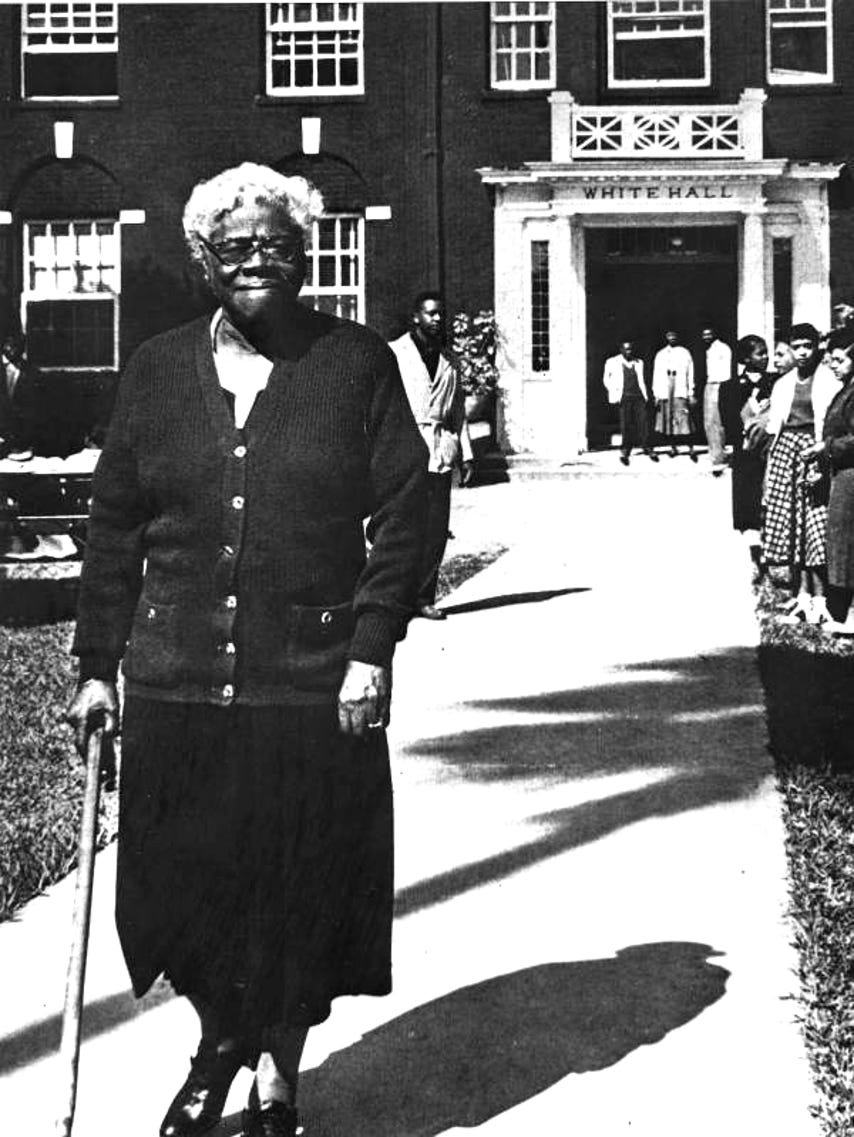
(426, 568)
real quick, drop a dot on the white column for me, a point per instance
(563, 434)
(811, 261)
(752, 284)
(510, 319)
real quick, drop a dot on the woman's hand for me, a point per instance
(95, 704)
(364, 701)
(814, 452)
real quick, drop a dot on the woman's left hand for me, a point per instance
(364, 701)
(811, 453)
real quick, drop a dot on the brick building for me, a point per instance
(588, 169)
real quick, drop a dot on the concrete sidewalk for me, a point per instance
(590, 935)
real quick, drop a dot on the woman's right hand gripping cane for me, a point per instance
(95, 704)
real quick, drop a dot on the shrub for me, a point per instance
(474, 343)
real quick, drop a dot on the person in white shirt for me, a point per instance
(432, 384)
(718, 371)
(673, 391)
(624, 382)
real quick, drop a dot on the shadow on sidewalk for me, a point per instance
(682, 725)
(474, 1053)
(41, 1039)
(507, 600)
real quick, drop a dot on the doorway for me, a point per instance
(643, 279)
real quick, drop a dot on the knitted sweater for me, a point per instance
(230, 566)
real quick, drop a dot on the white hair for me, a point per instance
(249, 182)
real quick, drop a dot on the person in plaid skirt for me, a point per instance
(794, 508)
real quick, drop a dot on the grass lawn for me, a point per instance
(41, 777)
(809, 682)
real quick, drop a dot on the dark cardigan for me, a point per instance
(231, 564)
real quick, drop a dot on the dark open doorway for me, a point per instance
(641, 278)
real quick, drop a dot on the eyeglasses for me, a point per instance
(239, 251)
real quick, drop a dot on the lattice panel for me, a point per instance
(655, 134)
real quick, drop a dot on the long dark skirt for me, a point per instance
(748, 470)
(840, 530)
(255, 859)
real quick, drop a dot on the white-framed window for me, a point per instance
(658, 43)
(540, 307)
(69, 51)
(799, 41)
(522, 44)
(70, 297)
(315, 49)
(335, 282)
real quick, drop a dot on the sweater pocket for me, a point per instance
(155, 653)
(317, 645)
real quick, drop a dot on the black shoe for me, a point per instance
(199, 1103)
(273, 1120)
(692, 455)
(651, 454)
(431, 612)
(624, 458)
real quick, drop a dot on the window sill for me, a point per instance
(106, 102)
(512, 94)
(834, 88)
(312, 101)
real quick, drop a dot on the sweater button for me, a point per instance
(229, 648)
(239, 452)
(231, 601)
(227, 551)
(228, 692)
(237, 502)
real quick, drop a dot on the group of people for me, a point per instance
(667, 410)
(265, 519)
(793, 466)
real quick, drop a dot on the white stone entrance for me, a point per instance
(689, 167)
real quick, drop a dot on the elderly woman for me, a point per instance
(226, 566)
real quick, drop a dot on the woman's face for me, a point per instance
(841, 364)
(758, 360)
(265, 281)
(784, 359)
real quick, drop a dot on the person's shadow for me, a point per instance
(478, 1051)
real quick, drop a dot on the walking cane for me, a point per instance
(69, 1047)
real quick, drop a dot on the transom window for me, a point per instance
(662, 43)
(70, 298)
(799, 41)
(523, 44)
(315, 49)
(335, 279)
(69, 50)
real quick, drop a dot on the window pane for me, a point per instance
(69, 50)
(522, 39)
(71, 333)
(799, 50)
(651, 59)
(314, 47)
